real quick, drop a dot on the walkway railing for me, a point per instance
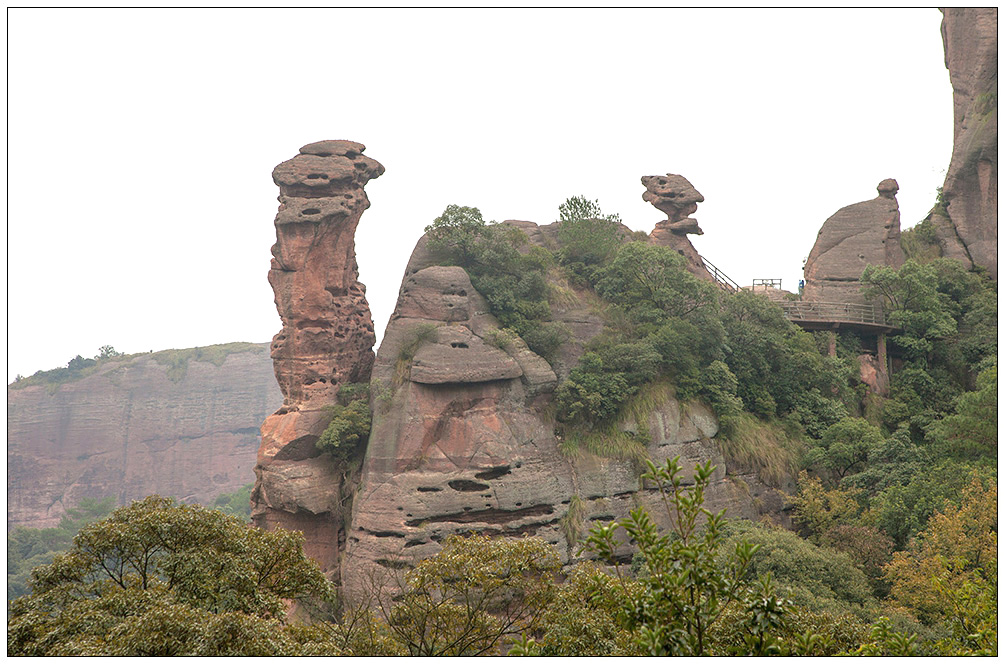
(843, 312)
(723, 279)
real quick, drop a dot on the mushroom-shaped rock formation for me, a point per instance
(326, 339)
(854, 237)
(677, 198)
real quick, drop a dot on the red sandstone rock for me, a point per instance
(326, 339)
(470, 446)
(967, 230)
(674, 195)
(139, 425)
(854, 237)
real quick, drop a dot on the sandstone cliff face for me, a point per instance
(326, 338)
(967, 224)
(463, 439)
(854, 237)
(162, 423)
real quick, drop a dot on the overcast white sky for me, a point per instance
(141, 143)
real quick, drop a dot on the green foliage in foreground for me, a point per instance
(160, 579)
(28, 548)
(157, 579)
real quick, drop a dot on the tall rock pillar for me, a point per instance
(326, 339)
(966, 218)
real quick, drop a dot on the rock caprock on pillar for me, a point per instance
(326, 339)
(675, 196)
(855, 237)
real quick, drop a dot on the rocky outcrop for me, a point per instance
(464, 440)
(854, 237)
(675, 196)
(965, 220)
(179, 423)
(326, 339)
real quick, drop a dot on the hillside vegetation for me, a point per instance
(895, 548)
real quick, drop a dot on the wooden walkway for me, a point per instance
(834, 315)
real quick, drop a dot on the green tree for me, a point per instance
(958, 547)
(578, 208)
(588, 238)
(687, 584)
(472, 595)
(845, 445)
(155, 578)
(107, 351)
(972, 430)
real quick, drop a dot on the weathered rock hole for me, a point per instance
(459, 344)
(317, 176)
(413, 543)
(360, 166)
(311, 211)
(392, 564)
(324, 154)
(467, 485)
(493, 473)
(386, 533)
(426, 489)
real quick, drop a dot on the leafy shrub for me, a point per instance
(588, 237)
(510, 278)
(351, 419)
(816, 578)
(844, 445)
(690, 576)
(591, 393)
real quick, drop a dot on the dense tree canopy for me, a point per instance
(156, 578)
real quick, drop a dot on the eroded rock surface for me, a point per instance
(464, 440)
(166, 423)
(326, 339)
(966, 225)
(675, 196)
(856, 236)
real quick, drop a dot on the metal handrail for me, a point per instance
(834, 311)
(723, 279)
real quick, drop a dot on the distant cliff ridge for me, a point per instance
(181, 423)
